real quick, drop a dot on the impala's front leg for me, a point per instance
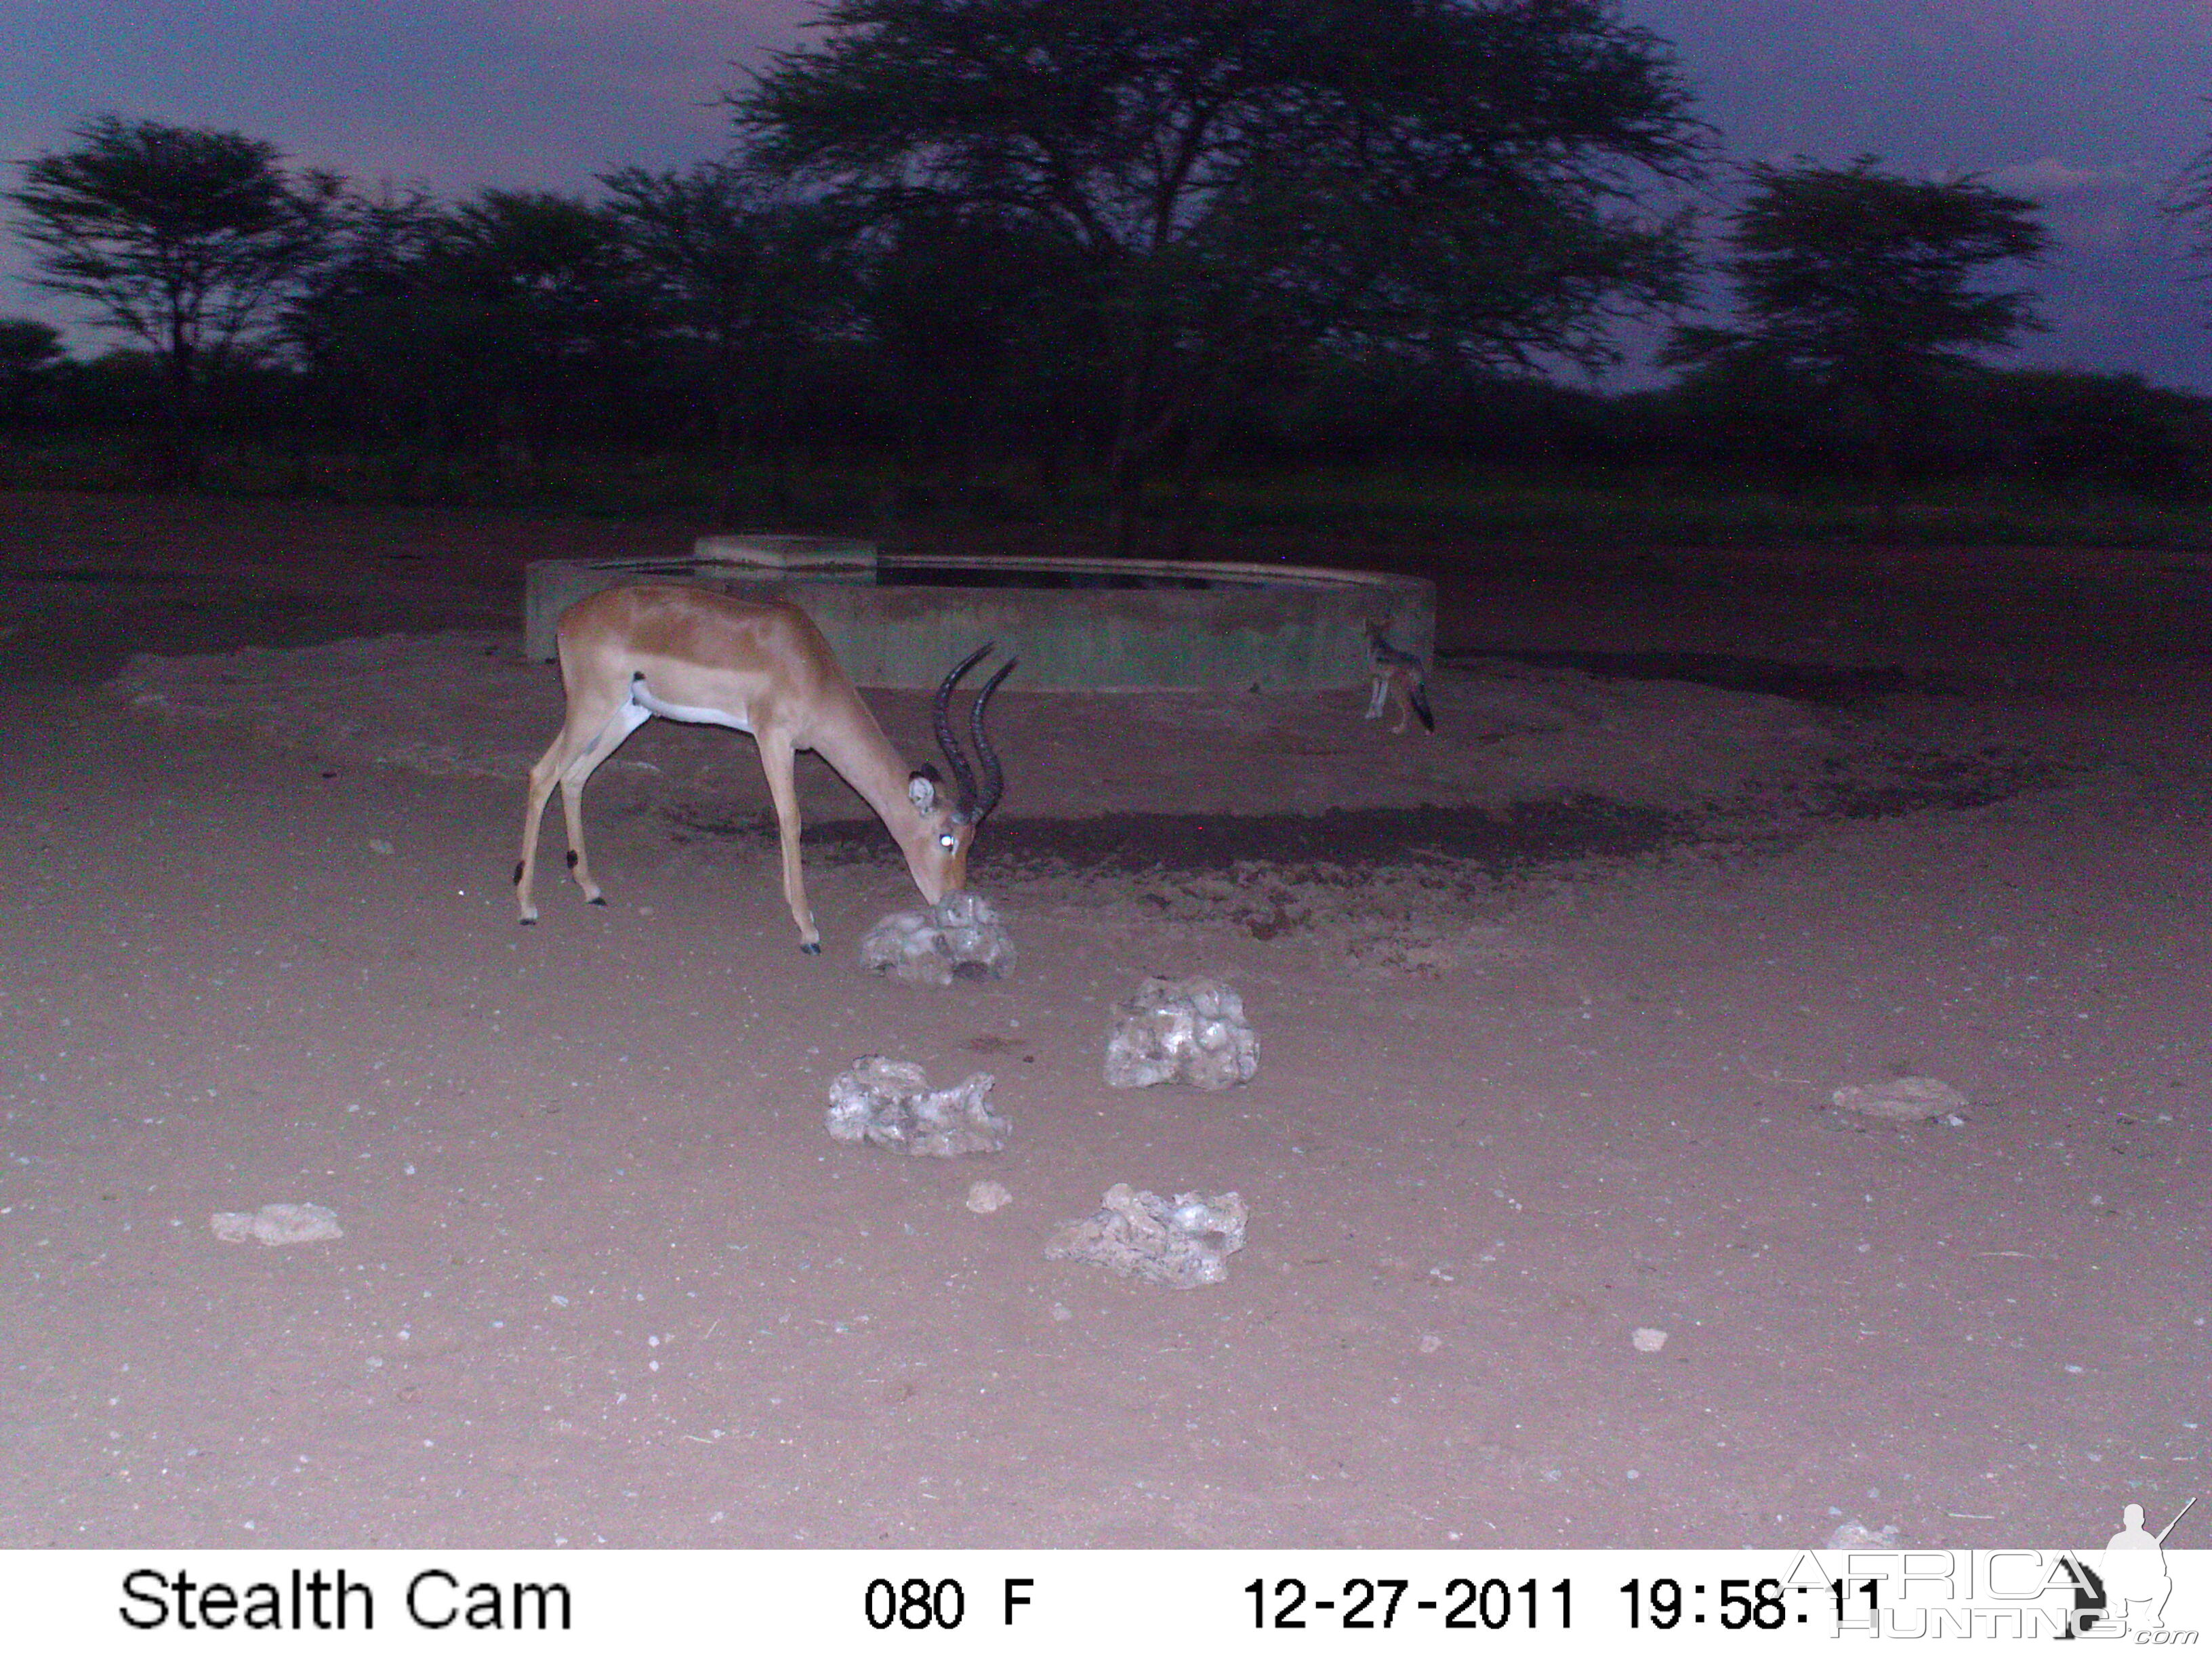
(778, 760)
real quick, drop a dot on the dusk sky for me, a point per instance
(2091, 107)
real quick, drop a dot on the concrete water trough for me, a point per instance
(896, 620)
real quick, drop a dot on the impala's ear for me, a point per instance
(921, 790)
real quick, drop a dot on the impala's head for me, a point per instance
(937, 852)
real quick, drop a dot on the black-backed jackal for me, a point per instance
(1398, 678)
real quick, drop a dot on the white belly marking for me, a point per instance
(676, 711)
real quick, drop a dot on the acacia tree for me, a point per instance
(187, 240)
(2188, 198)
(511, 312)
(1243, 181)
(1869, 285)
(968, 324)
(30, 352)
(365, 325)
(742, 281)
(545, 287)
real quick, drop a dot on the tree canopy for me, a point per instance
(996, 242)
(183, 238)
(30, 351)
(1867, 284)
(1864, 275)
(1247, 181)
(742, 277)
(2189, 200)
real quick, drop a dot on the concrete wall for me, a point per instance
(1263, 629)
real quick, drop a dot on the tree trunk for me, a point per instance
(724, 450)
(1124, 498)
(1125, 457)
(1887, 477)
(729, 429)
(177, 458)
(1198, 449)
(1885, 398)
(513, 451)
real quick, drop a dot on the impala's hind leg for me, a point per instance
(591, 733)
(543, 777)
(627, 719)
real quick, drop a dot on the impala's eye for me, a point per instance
(947, 842)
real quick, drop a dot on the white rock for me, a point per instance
(1856, 1535)
(1901, 1100)
(961, 937)
(277, 1224)
(1182, 1030)
(1648, 1340)
(1183, 1242)
(889, 1103)
(988, 1198)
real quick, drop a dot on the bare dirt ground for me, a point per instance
(1550, 1007)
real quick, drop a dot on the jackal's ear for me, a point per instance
(921, 790)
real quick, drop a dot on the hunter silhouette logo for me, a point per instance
(2126, 1591)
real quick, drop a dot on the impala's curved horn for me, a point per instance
(965, 805)
(994, 777)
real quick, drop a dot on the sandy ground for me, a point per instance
(1550, 1007)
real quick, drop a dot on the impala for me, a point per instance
(630, 653)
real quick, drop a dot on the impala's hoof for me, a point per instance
(601, 901)
(525, 921)
(813, 948)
